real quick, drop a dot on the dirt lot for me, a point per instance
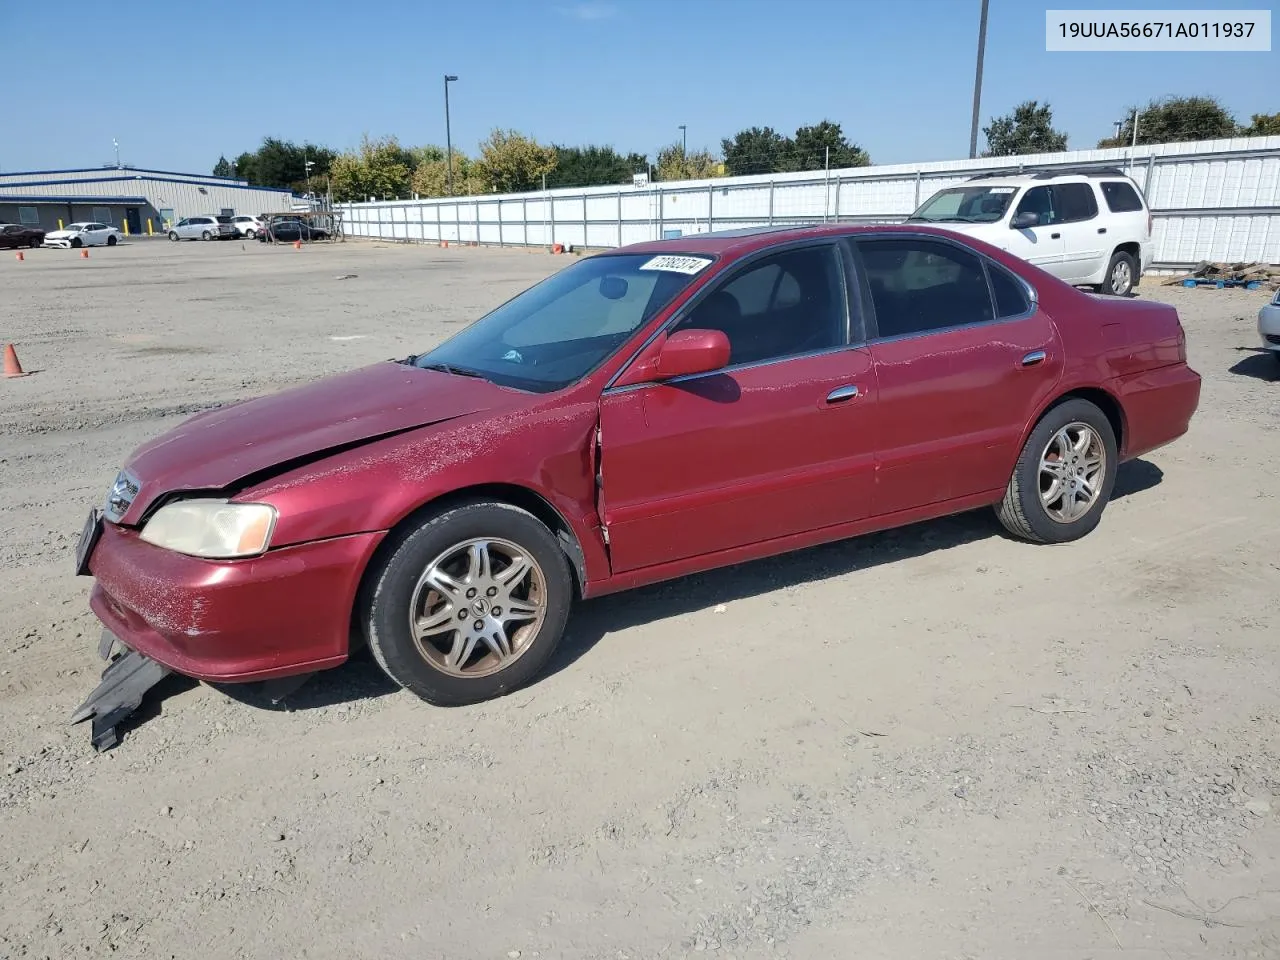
(936, 742)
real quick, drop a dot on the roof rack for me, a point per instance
(1050, 172)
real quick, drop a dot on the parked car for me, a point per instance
(84, 235)
(1090, 228)
(291, 230)
(1269, 326)
(646, 413)
(247, 227)
(202, 228)
(15, 235)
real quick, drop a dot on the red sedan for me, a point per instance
(650, 412)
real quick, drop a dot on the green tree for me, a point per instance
(223, 168)
(431, 176)
(246, 167)
(1263, 125)
(756, 150)
(378, 169)
(510, 162)
(591, 166)
(674, 164)
(823, 143)
(1029, 129)
(1175, 120)
(282, 163)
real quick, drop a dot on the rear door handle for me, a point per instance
(1102, 229)
(841, 394)
(1054, 236)
(1034, 357)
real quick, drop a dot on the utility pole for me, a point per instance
(977, 82)
(1135, 127)
(116, 143)
(684, 141)
(448, 133)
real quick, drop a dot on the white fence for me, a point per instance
(1212, 200)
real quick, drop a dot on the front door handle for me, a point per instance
(1034, 357)
(841, 394)
(1055, 236)
(1102, 229)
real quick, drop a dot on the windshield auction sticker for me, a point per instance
(1176, 30)
(672, 264)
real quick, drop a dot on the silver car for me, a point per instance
(1269, 326)
(202, 228)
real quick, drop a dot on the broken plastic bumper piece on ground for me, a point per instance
(128, 677)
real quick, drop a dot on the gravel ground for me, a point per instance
(933, 742)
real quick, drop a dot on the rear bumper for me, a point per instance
(285, 613)
(1158, 407)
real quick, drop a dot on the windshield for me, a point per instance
(985, 204)
(560, 330)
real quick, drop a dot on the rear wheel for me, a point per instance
(1064, 475)
(1122, 274)
(206, 235)
(470, 605)
(34, 242)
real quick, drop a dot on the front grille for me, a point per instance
(1273, 338)
(120, 499)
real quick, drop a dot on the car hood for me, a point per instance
(216, 449)
(61, 234)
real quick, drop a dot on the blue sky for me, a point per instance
(897, 75)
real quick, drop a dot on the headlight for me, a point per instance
(214, 529)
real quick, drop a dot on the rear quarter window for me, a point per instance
(1120, 196)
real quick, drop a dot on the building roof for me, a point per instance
(167, 173)
(78, 201)
(135, 177)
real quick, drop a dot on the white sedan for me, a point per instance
(84, 235)
(1269, 326)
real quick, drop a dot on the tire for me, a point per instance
(1122, 275)
(206, 236)
(1025, 511)
(250, 234)
(173, 236)
(440, 667)
(33, 243)
(111, 241)
(76, 243)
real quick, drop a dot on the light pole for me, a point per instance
(977, 82)
(684, 141)
(306, 166)
(448, 134)
(116, 143)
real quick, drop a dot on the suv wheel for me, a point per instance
(206, 235)
(1121, 276)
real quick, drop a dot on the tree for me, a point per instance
(1175, 120)
(431, 176)
(378, 169)
(510, 162)
(223, 168)
(816, 146)
(674, 164)
(1263, 125)
(592, 166)
(282, 163)
(246, 167)
(756, 150)
(1029, 129)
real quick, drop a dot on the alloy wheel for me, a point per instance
(478, 607)
(1073, 467)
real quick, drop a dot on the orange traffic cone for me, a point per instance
(21, 256)
(84, 254)
(297, 244)
(444, 243)
(12, 368)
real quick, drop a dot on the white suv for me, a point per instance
(247, 227)
(1089, 228)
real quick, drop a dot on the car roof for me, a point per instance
(997, 177)
(735, 243)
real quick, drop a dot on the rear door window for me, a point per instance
(1120, 196)
(921, 285)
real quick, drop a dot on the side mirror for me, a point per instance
(692, 351)
(1024, 219)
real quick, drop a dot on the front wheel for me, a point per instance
(111, 241)
(250, 234)
(77, 243)
(1064, 475)
(33, 243)
(470, 604)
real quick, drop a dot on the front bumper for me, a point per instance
(61, 242)
(287, 612)
(1269, 326)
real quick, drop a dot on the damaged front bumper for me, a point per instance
(128, 677)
